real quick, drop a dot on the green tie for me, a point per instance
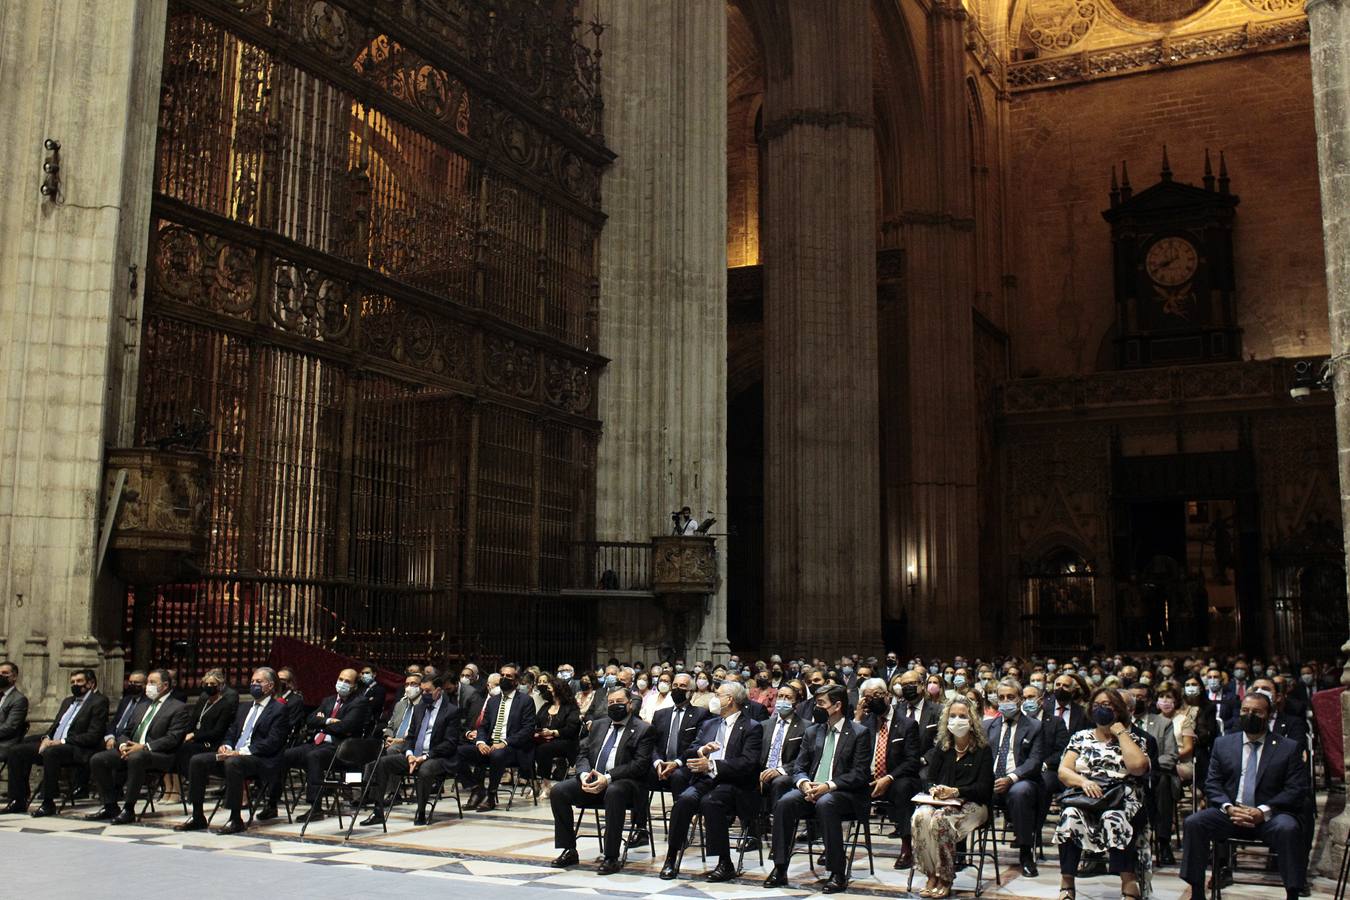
(826, 767)
(144, 726)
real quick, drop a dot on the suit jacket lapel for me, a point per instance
(1267, 751)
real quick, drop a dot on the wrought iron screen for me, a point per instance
(373, 266)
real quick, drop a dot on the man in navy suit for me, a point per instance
(339, 716)
(832, 773)
(724, 765)
(894, 769)
(506, 738)
(1256, 786)
(1018, 750)
(1225, 699)
(674, 729)
(252, 748)
(430, 750)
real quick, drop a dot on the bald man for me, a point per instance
(340, 715)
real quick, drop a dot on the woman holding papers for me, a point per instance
(961, 785)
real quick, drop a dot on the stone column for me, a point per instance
(663, 263)
(1329, 24)
(821, 481)
(84, 73)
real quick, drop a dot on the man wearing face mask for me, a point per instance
(895, 763)
(74, 736)
(504, 738)
(892, 667)
(13, 708)
(372, 691)
(674, 729)
(290, 696)
(339, 716)
(831, 775)
(1225, 701)
(148, 743)
(916, 705)
(1256, 786)
(400, 719)
(725, 763)
(783, 733)
(611, 766)
(252, 748)
(430, 751)
(132, 692)
(1017, 744)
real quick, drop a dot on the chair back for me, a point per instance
(357, 753)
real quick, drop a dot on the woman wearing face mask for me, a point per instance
(960, 768)
(211, 718)
(1105, 753)
(1169, 784)
(655, 699)
(762, 690)
(556, 740)
(590, 702)
(702, 691)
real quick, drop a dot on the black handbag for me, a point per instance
(1113, 797)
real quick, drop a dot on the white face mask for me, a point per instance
(495, 690)
(343, 688)
(958, 727)
(642, 684)
(702, 684)
(465, 680)
(152, 692)
(663, 687)
(715, 705)
(412, 692)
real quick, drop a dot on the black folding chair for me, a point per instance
(352, 755)
(860, 830)
(624, 844)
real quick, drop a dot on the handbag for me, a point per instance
(1113, 797)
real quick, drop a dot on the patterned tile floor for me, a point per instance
(511, 850)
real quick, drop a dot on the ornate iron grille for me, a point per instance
(373, 268)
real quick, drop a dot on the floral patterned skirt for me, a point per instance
(937, 830)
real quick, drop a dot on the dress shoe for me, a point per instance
(777, 877)
(1165, 857)
(565, 859)
(836, 883)
(638, 837)
(905, 860)
(80, 793)
(196, 823)
(723, 871)
(125, 817)
(268, 812)
(46, 809)
(105, 814)
(1028, 862)
(609, 866)
(894, 833)
(315, 814)
(487, 805)
(15, 807)
(375, 818)
(669, 871)
(820, 861)
(476, 796)
(234, 826)
(420, 819)
(748, 844)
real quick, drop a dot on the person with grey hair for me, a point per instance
(1017, 742)
(896, 761)
(252, 748)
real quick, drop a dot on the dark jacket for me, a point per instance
(90, 724)
(904, 758)
(121, 716)
(792, 742)
(567, 722)
(1281, 776)
(269, 732)
(167, 729)
(1027, 752)
(352, 719)
(208, 724)
(13, 717)
(739, 764)
(928, 724)
(634, 753)
(852, 757)
(520, 721)
(689, 724)
(294, 701)
(374, 695)
(1078, 717)
(972, 775)
(1054, 740)
(446, 731)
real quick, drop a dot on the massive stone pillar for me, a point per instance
(821, 501)
(663, 267)
(84, 73)
(1329, 24)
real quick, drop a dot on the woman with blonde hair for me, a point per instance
(960, 769)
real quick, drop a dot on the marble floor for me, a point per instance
(507, 849)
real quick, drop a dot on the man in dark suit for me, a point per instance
(831, 774)
(612, 766)
(923, 711)
(120, 720)
(725, 763)
(674, 729)
(1286, 723)
(430, 751)
(372, 692)
(892, 667)
(1257, 786)
(13, 708)
(505, 737)
(339, 716)
(894, 767)
(291, 697)
(252, 748)
(74, 736)
(1016, 742)
(782, 741)
(148, 743)
(1225, 699)
(1054, 741)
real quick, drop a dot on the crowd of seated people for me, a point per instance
(775, 748)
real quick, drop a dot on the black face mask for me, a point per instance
(210, 690)
(5, 683)
(77, 690)
(507, 685)
(910, 692)
(819, 716)
(618, 711)
(1063, 697)
(546, 693)
(678, 696)
(135, 689)
(587, 685)
(877, 705)
(1253, 724)
(428, 700)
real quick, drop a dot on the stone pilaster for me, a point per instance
(663, 282)
(1329, 26)
(821, 481)
(84, 73)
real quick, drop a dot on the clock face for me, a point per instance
(1171, 261)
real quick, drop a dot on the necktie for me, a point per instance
(879, 756)
(776, 748)
(1064, 714)
(1001, 769)
(608, 747)
(246, 734)
(673, 745)
(909, 712)
(126, 717)
(721, 750)
(403, 726)
(323, 735)
(64, 726)
(499, 729)
(1247, 793)
(424, 733)
(826, 767)
(144, 726)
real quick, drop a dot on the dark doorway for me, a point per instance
(745, 517)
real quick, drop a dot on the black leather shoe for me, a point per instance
(15, 808)
(487, 805)
(905, 860)
(609, 867)
(375, 818)
(1028, 862)
(105, 814)
(565, 859)
(836, 883)
(421, 818)
(724, 871)
(234, 826)
(196, 823)
(638, 837)
(669, 871)
(1165, 857)
(749, 844)
(476, 797)
(315, 814)
(125, 817)
(820, 861)
(46, 809)
(777, 877)
(269, 812)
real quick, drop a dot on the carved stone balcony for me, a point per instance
(159, 534)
